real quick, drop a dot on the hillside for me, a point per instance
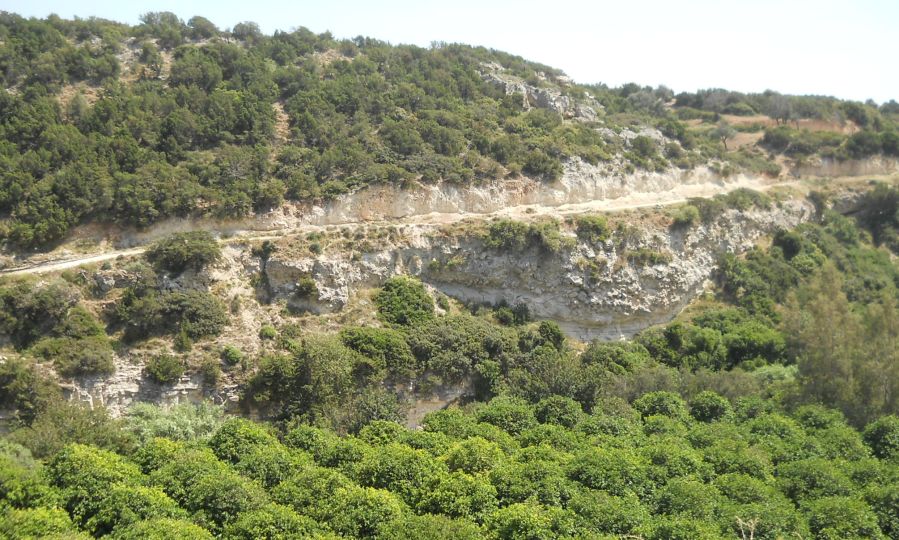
(106, 123)
(289, 286)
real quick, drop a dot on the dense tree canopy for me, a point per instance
(104, 122)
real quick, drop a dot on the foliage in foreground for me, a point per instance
(658, 468)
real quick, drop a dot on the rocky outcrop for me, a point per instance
(542, 97)
(129, 384)
(594, 290)
(830, 167)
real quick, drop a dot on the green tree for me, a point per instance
(404, 301)
(180, 251)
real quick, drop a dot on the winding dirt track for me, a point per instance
(525, 212)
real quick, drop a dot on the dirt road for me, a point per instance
(678, 195)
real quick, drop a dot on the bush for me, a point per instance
(162, 529)
(217, 499)
(77, 357)
(272, 521)
(882, 436)
(647, 257)
(165, 368)
(559, 410)
(833, 518)
(661, 403)
(509, 414)
(404, 301)
(863, 144)
(528, 520)
(474, 455)
(124, 504)
(28, 523)
(686, 216)
(181, 251)
(195, 313)
(399, 469)
(812, 478)
(363, 512)
(613, 470)
(387, 349)
(510, 235)
(182, 422)
(458, 495)
(237, 437)
(431, 527)
(268, 332)
(507, 234)
(306, 288)
(81, 473)
(644, 147)
(708, 407)
(688, 497)
(593, 228)
(231, 355)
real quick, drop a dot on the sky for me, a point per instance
(842, 48)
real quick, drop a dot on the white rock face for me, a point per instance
(542, 97)
(590, 289)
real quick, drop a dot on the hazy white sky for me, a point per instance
(845, 48)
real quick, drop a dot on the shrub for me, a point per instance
(28, 523)
(812, 478)
(613, 470)
(81, 473)
(217, 499)
(182, 422)
(644, 147)
(647, 257)
(689, 497)
(593, 228)
(609, 514)
(165, 368)
(431, 527)
(306, 288)
(399, 469)
(833, 518)
(708, 406)
(211, 371)
(884, 501)
(363, 512)
(231, 355)
(559, 410)
(196, 313)
(162, 529)
(882, 436)
(124, 504)
(267, 332)
(237, 437)
(386, 348)
(77, 357)
(661, 403)
(458, 495)
(507, 234)
(61, 423)
(181, 251)
(272, 521)
(686, 216)
(509, 414)
(615, 357)
(404, 301)
(474, 455)
(516, 236)
(863, 144)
